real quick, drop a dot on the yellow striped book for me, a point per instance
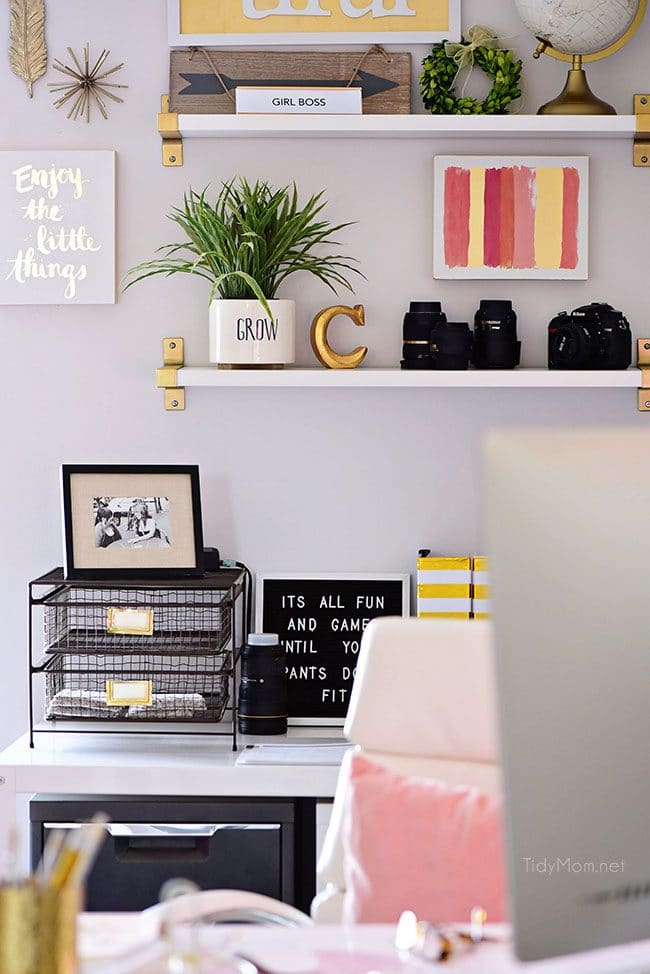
(444, 589)
(481, 591)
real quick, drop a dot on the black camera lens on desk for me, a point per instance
(495, 336)
(419, 321)
(263, 689)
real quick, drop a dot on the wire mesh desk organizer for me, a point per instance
(136, 652)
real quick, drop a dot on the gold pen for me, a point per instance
(77, 853)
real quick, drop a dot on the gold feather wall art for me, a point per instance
(84, 83)
(27, 47)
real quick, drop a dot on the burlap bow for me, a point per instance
(463, 54)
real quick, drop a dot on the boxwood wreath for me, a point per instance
(440, 71)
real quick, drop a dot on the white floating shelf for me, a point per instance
(407, 126)
(320, 378)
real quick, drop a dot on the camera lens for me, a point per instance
(571, 345)
(416, 351)
(417, 327)
(451, 345)
(263, 689)
(419, 320)
(495, 336)
(427, 307)
(502, 310)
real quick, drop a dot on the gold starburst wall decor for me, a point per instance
(85, 84)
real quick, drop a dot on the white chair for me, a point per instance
(423, 703)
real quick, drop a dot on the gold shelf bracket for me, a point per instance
(642, 131)
(643, 346)
(167, 376)
(172, 142)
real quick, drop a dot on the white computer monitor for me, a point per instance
(569, 537)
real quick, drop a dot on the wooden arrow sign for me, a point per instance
(385, 82)
(209, 84)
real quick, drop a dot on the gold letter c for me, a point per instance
(321, 347)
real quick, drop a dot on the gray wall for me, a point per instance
(300, 480)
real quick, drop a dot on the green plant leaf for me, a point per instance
(251, 239)
(252, 283)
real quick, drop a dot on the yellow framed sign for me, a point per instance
(264, 22)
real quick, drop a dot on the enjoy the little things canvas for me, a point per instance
(58, 232)
(511, 217)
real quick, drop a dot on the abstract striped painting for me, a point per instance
(511, 217)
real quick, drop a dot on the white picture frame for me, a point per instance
(58, 235)
(263, 39)
(449, 266)
(261, 577)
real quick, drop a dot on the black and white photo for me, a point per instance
(135, 522)
(132, 521)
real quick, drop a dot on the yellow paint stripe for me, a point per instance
(480, 564)
(443, 615)
(482, 615)
(548, 217)
(476, 217)
(443, 591)
(481, 591)
(448, 564)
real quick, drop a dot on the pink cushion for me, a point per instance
(414, 844)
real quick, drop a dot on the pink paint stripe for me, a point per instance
(456, 217)
(492, 224)
(570, 215)
(524, 255)
(507, 231)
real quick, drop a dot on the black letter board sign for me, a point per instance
(320, 620)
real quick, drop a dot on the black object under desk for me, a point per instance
(261, 845)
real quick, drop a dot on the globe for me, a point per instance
(578, 26)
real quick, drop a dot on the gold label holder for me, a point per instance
(130, 622)
(129, 693)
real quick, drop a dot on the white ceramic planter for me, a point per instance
(242, 334)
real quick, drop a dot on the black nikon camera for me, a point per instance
(592, 337)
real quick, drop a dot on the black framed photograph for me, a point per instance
(132, 521)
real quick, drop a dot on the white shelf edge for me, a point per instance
(407, 126)
(366, 378)
(222, 728)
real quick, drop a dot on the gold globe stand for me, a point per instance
(577, 98)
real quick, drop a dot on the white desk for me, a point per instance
(137, 764)
(338, 950)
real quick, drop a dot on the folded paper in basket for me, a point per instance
(92, 703)
(82, 703)
(171, 705)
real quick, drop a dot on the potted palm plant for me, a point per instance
(246, 245)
